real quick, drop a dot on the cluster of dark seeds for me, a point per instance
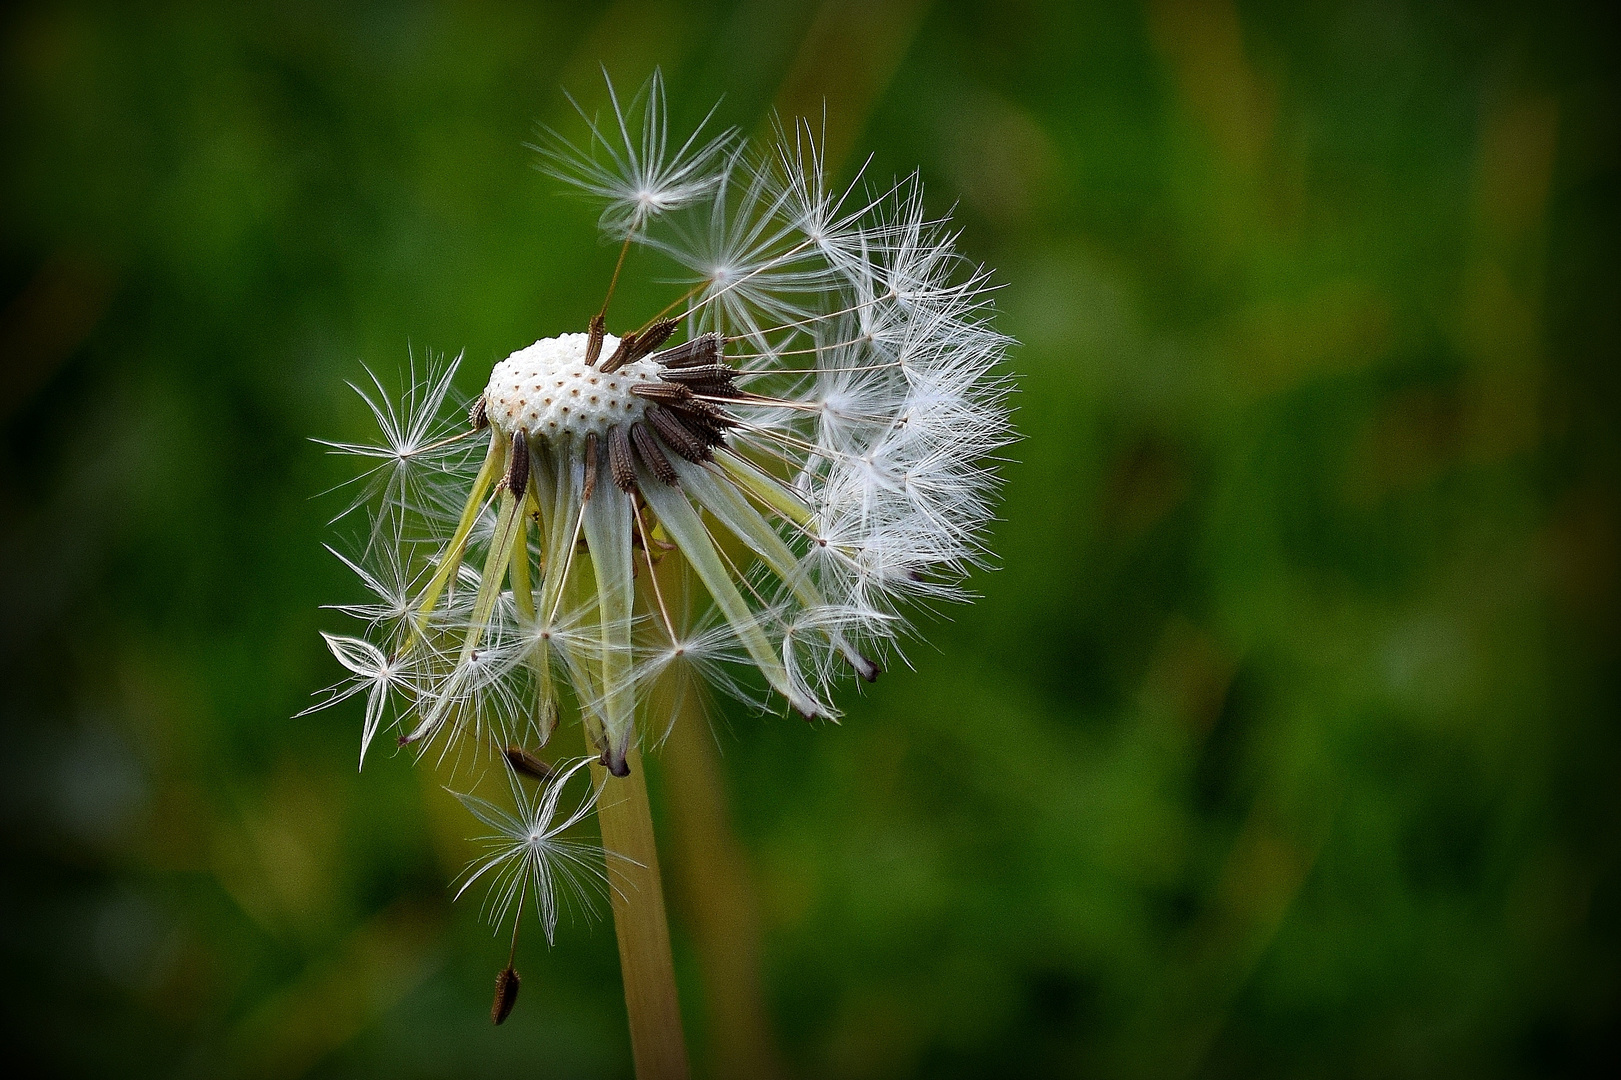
(679, 411)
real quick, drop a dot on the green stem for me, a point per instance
(656, 1041)
(713, 879)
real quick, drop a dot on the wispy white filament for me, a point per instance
(528, 853)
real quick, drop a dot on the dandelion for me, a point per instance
(752, 493)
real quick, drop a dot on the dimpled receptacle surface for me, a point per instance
(547, 390)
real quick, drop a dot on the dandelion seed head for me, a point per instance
(755, 497)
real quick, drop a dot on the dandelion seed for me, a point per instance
(527, 764)
(419, 444)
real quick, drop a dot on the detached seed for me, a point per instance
(531, 766)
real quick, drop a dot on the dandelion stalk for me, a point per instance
(640, 924)
(712, 878)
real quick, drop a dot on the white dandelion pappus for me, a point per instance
(640, 179)
(758, 492)
(419, 444)
(380, 677)
(529, 855)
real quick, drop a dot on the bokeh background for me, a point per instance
(1284, 742)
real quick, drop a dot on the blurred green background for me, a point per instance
(1283, 743)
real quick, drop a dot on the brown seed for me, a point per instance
(620, 464)
(621, 355)
(652, 338)
(724, 391)
(712, 428)
(703, 349)
(660, 391)
(647, 448)
(479, 414)
(705, 373)
(518, 466)
(711, 413)
(678, 435)
(593, 341)
(506, 995)
(531, 766)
